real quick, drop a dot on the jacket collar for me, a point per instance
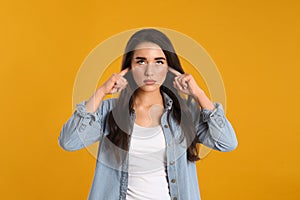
(167, 101)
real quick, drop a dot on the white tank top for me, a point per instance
(147, 177)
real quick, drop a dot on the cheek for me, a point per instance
(138, 74)
(161, 73)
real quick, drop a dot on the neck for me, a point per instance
(147, 99)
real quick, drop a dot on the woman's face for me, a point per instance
(149, 66)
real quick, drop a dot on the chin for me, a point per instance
(149, 88)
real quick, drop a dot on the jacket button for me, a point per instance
(166, 126)
(172, 162)
(82, 127)
(173, 180)
(220, 122)
(175, 198)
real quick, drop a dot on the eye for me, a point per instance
(141, 62)
(160, 62)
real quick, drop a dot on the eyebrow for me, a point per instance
(158, 58)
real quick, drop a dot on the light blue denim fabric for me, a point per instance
(111, 176)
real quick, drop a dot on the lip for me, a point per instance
(149, 82)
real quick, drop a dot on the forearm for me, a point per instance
(81, 129)
(94, 101)
(203, 100)
(214, 130)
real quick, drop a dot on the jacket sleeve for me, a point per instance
(213, 128)
(82, 128)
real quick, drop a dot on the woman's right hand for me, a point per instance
(116, 83)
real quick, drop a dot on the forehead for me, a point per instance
(148, 48)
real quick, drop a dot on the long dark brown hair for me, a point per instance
(119, 117)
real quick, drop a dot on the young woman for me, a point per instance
(147, 137)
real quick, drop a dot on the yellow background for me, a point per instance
(255, 45)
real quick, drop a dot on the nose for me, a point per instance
(149, 70)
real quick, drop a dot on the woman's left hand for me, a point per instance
(185, 83)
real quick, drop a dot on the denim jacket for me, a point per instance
(111, 177)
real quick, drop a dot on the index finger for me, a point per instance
(124, 71)
(173, 71)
